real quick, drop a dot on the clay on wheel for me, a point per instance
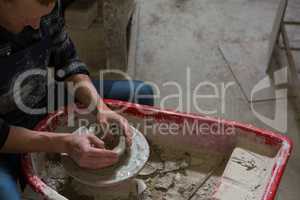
(120, 148)
(130, 165)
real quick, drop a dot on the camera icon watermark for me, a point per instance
(280, 79)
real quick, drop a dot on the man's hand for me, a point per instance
(88, 95)
(88, 152)
(106, 116)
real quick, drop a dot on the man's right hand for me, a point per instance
(88, 151)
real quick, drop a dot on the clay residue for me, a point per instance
(246, 175)
(53, 173)
(169, 174)
(248, 164)
(154, 20)
(198, 35)
(173, 174)
(181, 4)
(149, 57)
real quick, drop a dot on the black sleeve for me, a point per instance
(4, 131)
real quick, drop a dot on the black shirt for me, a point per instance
(62, 57)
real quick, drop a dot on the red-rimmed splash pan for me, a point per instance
(255, 158)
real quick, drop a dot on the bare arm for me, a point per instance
(21, 140)
(87, 150)
(88, 95)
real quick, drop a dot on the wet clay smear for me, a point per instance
(53, 173)
(246, 176)
(169, 174)
(178, 175)
(55, 176)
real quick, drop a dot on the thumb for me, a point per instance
(96, 142)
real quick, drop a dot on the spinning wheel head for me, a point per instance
(129, 166)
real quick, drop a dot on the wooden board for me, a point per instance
(293, 11)
(276, 29)
(134, 31)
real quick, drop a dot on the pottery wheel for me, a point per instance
(128, 167)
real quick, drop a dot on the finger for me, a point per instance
(102, 118)
(101, 153)
(96, 142)
(89, 164)
(94, 164)
(127, 131)
(98, 161)
(125, 128)
(105, 163)
(105, 128)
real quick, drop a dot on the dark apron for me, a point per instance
(33, 57)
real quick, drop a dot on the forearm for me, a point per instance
(86, 94)
(21, 140)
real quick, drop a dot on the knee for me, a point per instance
(144, 94)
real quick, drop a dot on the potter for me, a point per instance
(32, 37)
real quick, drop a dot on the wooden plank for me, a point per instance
(293, 11)
(246, 175)
(134, 31)
(276, 29)
(294, 78)
(293, 33)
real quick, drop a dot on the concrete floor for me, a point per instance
(182, 40)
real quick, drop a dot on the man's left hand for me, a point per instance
(105, 116)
